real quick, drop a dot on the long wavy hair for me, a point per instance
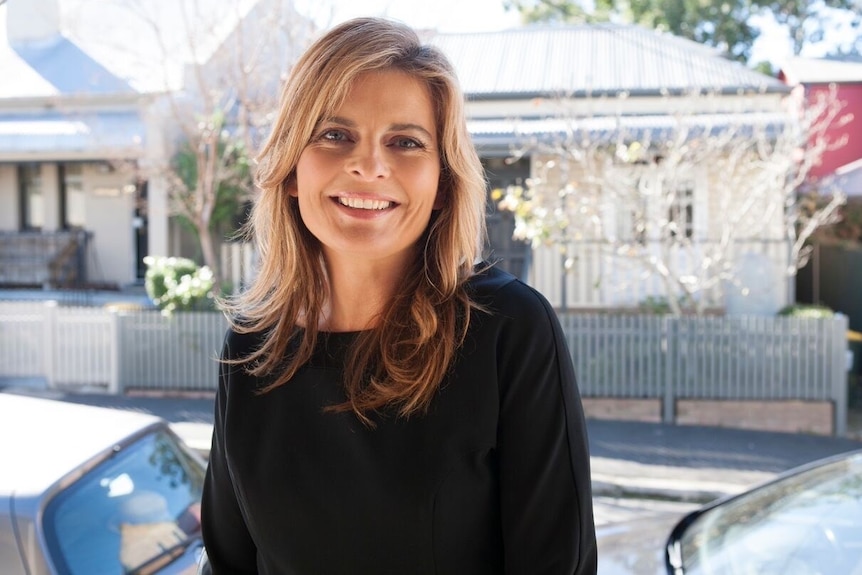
(402, 360)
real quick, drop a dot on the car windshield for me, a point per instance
(131, 514)
(810, 523)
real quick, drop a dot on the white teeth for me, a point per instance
(364, 204)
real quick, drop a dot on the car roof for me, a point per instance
(43, 440)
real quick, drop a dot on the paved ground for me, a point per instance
(698, 464)
(629, 459)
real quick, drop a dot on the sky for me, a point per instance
(109, 19)
(488, 15)
(444, 15)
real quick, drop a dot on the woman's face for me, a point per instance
(367, 181)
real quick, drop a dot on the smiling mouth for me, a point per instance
(365, 204)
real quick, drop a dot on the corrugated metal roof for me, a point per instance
(100, 48)
(592, 59)
(27, 81)
(51, 66)
(104, 134)
(496, 133)
(67, 69)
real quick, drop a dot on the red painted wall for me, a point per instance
(851, 95)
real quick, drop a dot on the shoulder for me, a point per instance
(239, 344)
(501, 294)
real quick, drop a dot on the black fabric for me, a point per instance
(493, 479)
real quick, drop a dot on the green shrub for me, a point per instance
(806, 310)
(655, 305)
(176, 284)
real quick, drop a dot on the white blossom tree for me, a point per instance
(682, 202)
(221, 64)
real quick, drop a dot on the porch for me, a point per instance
(44, 259)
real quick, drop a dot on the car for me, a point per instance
(807, 521)
(89, 490)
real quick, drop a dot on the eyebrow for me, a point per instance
(396, 127)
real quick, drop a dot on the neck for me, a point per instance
(359, 292)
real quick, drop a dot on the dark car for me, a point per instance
(808, 521)
(88, 490)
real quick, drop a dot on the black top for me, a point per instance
(493, 479)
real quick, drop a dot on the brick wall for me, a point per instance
(791, 416)
(815, 417)
(646, 410)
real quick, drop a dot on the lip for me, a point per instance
(363, 196)
(363, 213)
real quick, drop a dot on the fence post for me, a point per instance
(839, 373)
(114, 352)
(669, 345)
(49, 350)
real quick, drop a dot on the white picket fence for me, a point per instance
(116, 351)
(615, 355)
(729, 358)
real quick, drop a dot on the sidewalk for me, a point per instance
(695, 464)
(628, 459)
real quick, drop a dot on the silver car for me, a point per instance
(91, 491)
(808, 521)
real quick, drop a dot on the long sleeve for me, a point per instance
(545, 491)
(229, 546)
(493, 480)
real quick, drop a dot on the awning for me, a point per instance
(75, 135)
(508, 133)
(849, 178)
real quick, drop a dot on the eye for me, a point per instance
(333, 135)
(408, 143)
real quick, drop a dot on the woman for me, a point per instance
(386, 405)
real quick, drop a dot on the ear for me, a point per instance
(290, 186)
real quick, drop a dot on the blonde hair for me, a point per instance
(403, 359)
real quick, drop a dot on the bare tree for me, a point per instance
(681, 197)
(236, 54)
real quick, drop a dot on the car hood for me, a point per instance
(635, 547)
(45, 439)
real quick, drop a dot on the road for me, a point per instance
(607, 510)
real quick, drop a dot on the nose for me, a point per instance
(368, 162)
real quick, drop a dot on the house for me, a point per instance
(69, 128)
(833, 276)
(75, 148)
(540, 95)
(841, 79)
(93, 117)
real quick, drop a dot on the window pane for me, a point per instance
(681, 212)
(32, 197)
(128, 510)
(75, 216)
